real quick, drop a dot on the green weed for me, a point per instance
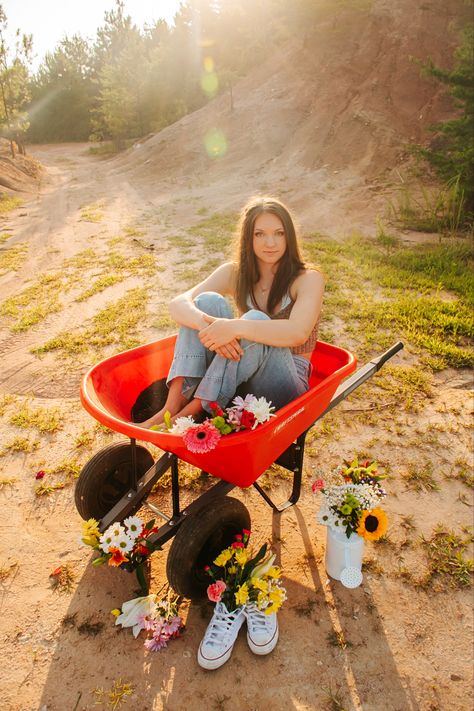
(47, 489)
(216, 231)
(5, 237)
(12, 259)
(42, 418)
(91, 213)
(34, 303)
(9, 203)
(84, 439)
(116, 325)
(424, 209)
(20, 444)
(447, 566)
(100, 284)
(68, 467)
(4, 481)
(421, 477)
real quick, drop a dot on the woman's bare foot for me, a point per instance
(174, 404)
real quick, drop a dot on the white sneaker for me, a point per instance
(262, 629)
(219, 638)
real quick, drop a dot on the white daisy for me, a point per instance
(134, 526)
(182, 424)
(244, 403)
(123, 542)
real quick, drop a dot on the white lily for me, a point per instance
(134, 613)
(262, 568)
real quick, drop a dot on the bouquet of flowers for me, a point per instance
(354, 505)
(159, 617)
(239, 578)
(245, 413)
(124, 545)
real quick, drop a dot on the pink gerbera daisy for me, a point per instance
(202, 437)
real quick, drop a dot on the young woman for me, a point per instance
(266, 351)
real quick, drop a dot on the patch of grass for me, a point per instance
(216, 231)
(100, 284)
(424, 209)
(9, 203)
(438, 326)
(143, 264)
(7, 482)
(47, 489)
(87, 259)
(84, 439)
(335, 702)
(116, 325)
(12, 259)
(371, 565)
(68, 467)
(4, 237)
(42, 418)
(447, 565)
(134, 232)
(5, 401)
(165, 322)
(464, 473)
(181, 242)
(91, 213)
(116, 696)
(20, 444)
(421, 477)
(34, 303)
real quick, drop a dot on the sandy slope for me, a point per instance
(291, 134)
(405, 651)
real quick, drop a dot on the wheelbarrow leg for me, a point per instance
(291, 459)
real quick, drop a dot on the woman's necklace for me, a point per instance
(264, 289)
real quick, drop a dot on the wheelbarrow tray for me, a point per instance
(110, 389)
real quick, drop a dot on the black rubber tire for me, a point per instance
(199, 540)
(105, 478)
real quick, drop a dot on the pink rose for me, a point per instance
(317, 486)
(214, 591)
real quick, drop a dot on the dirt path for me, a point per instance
(388, 644)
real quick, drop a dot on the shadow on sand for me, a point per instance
(332, 650)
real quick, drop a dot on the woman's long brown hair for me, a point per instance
(290, 264)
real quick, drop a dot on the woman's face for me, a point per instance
(269, 239)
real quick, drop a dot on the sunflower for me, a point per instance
(372, 524)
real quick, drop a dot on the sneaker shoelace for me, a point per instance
(220, 627)
(258, 619)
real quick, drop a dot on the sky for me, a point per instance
(49, 20)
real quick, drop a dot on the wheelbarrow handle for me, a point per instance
(359, 377)
(380, 360)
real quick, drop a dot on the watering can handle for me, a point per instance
(380, 360)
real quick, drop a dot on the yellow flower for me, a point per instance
(90, 532)
(232, 569)
(223, 557)
(373, 524)
(242, 594)
(277, 596)
(274, 572)
(271, 609)
(259, 584)
(241, 556)
(262, 600)
(116, 612)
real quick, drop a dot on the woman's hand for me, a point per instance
(219, 336)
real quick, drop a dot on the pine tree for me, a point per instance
(452, 151)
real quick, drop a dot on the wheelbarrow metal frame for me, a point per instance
(291, 459)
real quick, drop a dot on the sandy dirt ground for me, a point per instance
(385, 645)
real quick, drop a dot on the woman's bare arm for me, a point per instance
(182, 308)
(308, 293)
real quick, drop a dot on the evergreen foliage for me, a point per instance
(452, 151)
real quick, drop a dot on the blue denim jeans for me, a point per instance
(263, 371)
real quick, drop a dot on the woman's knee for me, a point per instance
(256, 315)
(213, 304)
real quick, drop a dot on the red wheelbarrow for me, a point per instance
(118, 479)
